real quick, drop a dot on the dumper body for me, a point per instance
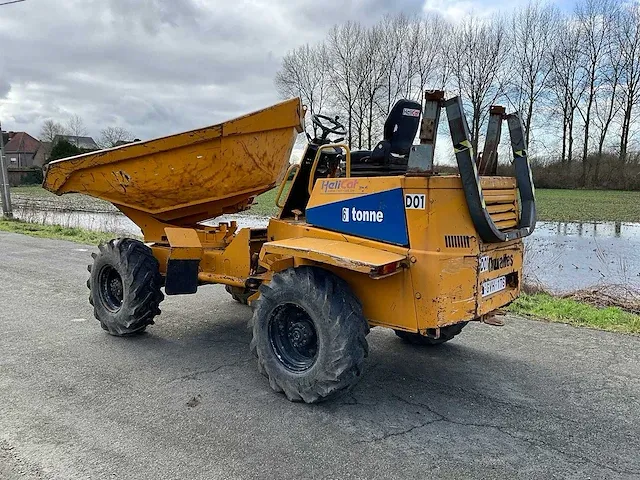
(192, 176)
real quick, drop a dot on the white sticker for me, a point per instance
(355, 215)
(411, 112)
(484, 264)
(415, 201)
(493, 286)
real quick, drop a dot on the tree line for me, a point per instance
(574, 77)
(75, 127)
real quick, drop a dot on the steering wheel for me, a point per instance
(328, 125)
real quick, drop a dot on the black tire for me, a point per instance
(309, 334)
(240, 295)
(125, 286)
(446, 334)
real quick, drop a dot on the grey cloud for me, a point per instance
(152, 14)
(5, 87)
(156, 66)
(365, 11)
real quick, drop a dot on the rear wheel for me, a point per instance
(125, 286)
(446, 334)
(309, 334)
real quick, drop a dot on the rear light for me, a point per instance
(386, 270)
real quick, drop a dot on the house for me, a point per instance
(42, 155)
(84, 143)
(120, 143)
(20, 150)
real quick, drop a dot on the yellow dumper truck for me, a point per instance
(362, 238)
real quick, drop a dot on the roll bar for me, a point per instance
(421, 162)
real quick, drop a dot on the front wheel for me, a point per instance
(125, 285)
(446, 334)
(309, 334)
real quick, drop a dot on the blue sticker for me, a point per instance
(378, 216)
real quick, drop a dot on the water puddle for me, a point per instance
(630, 231)
(99, 221)
(567, 256)
(561, 256)
(115, 222)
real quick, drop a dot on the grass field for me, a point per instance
(553, 205)
(588, 205)
(32, 190)
(579, 314)
(78, 235)
(265, 203)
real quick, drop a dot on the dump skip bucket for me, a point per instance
(189, 177)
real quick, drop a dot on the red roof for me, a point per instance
(22, 142)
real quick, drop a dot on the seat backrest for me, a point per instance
(401, 126)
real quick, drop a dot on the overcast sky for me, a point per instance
(157, 67)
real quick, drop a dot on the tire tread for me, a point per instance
(141, 278)
(347, 329)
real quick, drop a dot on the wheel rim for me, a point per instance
(293, 337)
(111, 288)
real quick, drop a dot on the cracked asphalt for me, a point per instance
(185, 400)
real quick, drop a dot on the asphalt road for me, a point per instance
(528, 400)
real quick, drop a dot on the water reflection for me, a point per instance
(590, 229)
(115, 222)
(565, 256)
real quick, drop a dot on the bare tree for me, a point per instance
(594, 21)
(531, 37)
(76, 128)
(430, 35)
(567, 82)
(374, 65)
(585, 67)
(304, 74)
(111, 136)
(607, 96)
(363, 77)
(627, 39)
(51, 128)
(476, 57)
(394, 30)
(345, 49)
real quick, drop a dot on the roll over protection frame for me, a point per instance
(471, 179)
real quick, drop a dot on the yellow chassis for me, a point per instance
(431, 284)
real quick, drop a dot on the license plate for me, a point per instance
(492, 286)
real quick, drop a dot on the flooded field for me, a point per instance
(114, 221)
(561, 256)
(566, 256)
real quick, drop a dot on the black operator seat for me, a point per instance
(391, 155)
